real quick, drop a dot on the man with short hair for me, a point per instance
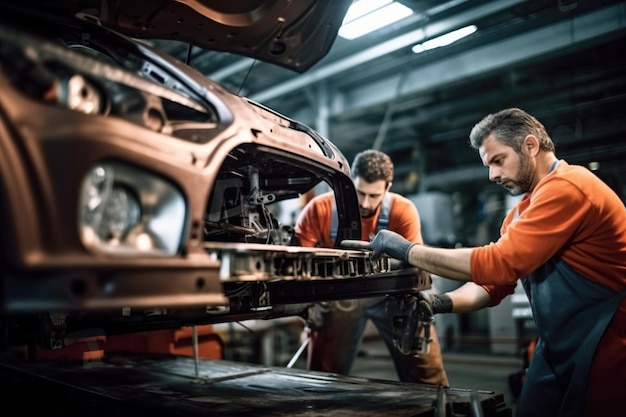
(566, 241)
(335, 344)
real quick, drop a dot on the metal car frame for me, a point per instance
(79, 101)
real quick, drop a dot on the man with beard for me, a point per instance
(566, 241)
(335, 342)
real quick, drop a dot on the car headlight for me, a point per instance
(124, 209)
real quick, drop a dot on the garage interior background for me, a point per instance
(561, 60)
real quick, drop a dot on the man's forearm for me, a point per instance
(449, 263)
(469, 297)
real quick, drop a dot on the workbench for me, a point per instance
(125, 384)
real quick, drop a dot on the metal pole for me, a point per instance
(299, 352)
(196, 355)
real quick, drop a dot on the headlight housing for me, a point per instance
(124, 209)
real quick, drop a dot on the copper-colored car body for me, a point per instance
(131, 183)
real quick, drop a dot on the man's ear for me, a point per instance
(389, 186)
(531, 146)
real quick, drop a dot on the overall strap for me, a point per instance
(553, 166)
(383, 216)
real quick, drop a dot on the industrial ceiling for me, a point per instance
(561, 60)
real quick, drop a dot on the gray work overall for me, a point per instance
(571, 312)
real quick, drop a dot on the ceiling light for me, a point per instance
(365, 16)
(360, 8)
(444, 40)
(594, 165)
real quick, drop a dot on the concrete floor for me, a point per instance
(482, 371)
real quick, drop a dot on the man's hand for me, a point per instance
(391, 244)
(430, 304)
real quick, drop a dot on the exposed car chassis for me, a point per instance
(259, 282)
(139, 194)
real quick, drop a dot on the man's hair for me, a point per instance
(372, 166)
(510, 127)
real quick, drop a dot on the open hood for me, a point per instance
(291, 34)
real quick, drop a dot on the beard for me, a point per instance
(524, 180)
(365, 213)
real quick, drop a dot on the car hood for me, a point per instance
(291, 34)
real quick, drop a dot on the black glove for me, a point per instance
(430, 304)
(391, 244)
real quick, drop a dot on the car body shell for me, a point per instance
(77, 97)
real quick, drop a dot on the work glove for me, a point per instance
(392, 244)
(430, 304)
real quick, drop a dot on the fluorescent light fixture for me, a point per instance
(360, 8)
(365, 16)
(444, 40)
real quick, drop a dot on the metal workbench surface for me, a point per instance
(135, 385)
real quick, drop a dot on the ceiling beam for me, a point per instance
(551, 39)
(408, 39)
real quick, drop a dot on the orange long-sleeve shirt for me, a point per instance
(572, 214)
(313, 225)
